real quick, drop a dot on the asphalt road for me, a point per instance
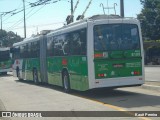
(152, 74)
(25, 96)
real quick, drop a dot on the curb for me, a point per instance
(151, 87)
(152, 65)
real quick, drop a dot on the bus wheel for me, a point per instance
(35, 76)
(18, 74)
(66, 83)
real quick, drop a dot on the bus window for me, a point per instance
(50, 45)
(58, 42)
(4, 55)
(35, 49)
(16, 52)
(116, 37)
(78, 42)
(22, 51)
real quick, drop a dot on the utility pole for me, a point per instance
(1, 21)
(24, 18)
(72, 16)
(122, 7)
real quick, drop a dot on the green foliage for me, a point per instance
(8, 38)
(150, 19)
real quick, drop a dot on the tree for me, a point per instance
(150, 19)
(8, 38)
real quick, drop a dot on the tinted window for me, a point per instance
(16, 52)
(78, 42)
(27, 50)
(22, 51)
(4, 55)
(35, 49)
(59, 44)
(50, 45)
(116, 37)
(73, 43)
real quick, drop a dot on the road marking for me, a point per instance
(115, 108)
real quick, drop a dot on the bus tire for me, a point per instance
(35, 76)
(18, 74)
(66, 82)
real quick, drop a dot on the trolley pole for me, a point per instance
(122, 8)
(24, 18)
(72, 19)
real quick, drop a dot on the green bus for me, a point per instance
(100, 51)
(5, 61)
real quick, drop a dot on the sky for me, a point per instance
(52, 16)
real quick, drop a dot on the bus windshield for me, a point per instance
(111, 37)
(4, 55)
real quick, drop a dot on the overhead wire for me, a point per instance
(40, 2)
(17, 21)
(14, 14)
(21, 20)
(40, 25)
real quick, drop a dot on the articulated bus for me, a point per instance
(5, 61)
(101, 51)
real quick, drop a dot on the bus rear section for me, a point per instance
(5, 61)
(118, 58)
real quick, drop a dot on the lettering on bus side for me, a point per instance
(136, 64)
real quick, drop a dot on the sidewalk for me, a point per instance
(152, 85)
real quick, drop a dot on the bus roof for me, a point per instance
(27, 40)
(95, 18)
(81, 23)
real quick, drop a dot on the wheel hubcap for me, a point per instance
(35, 77)
(65, 82)
(18, 74)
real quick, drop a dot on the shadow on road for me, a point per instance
(117, 97)
(121, 98)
